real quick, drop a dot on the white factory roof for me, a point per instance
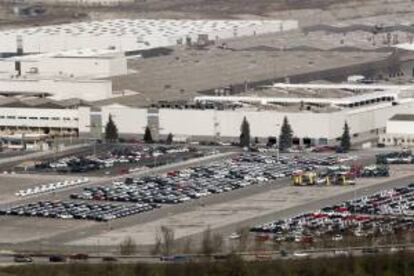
(141, 27)
(132, 34)
(406, 46)
(346, 101)
(80, 53)
(349, 86)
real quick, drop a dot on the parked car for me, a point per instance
(57, 258)
(23, 259)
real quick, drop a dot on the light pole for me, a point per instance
(278, 143)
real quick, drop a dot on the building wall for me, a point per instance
(85, 2)
(227, 123)
(365, 123)
(38, 117)
(128, 120)
(89, 90)
(373, 117)
(7, 68)
(398, 133)
(400, 127)
(76, 67)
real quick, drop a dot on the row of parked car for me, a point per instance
(396, 157)
(173, 187)
(398, 201)
(382, 213)
(179, 186)
(77, 210)
(130, 154)
(45, 188)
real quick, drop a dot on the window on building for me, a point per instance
(44, 118)
(2, 117)
(33, 118)
(11, 117)
(55, 119)
(22, 118)
(66, 119)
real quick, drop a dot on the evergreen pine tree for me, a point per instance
(286, 135)
(148, 135)
(245, 133)
(346, 139)
(111, 131)
(169, 139)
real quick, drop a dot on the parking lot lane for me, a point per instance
(10, 184)
(25, 229)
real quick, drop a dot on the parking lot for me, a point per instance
(176, 186)
(195, 182)
(77, 210)
(382, 213)
(239, 209)
(114, 160)
(11, 184)
(265, 195)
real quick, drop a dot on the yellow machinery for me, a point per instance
(340, 179)
(304, 178)
(311, 178)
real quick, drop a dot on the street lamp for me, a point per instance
(278, 143)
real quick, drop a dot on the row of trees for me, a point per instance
(111, 133)
(210, 243)
(286, 136)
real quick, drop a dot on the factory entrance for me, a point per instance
(296, 141)
(307, 142)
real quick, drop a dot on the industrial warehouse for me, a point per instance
(162, 133)
(71, 90)
(315, 118)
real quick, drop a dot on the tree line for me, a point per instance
(284, 141)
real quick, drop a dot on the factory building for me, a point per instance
(400, 130)
(57, 88)
(314, 120)
(35, 118)
(85, 63)
(106, 3)
(133, 34)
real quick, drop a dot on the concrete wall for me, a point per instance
(365, 123)
(400, 127)
(89, 90)
(227, 123)
(127, 119)
(37, 117)
(76, 67)
(362, 121)
(84, 2)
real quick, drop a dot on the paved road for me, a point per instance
(8, 259)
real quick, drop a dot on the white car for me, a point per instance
(300, 254)
(337, 238)
(234, 236)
